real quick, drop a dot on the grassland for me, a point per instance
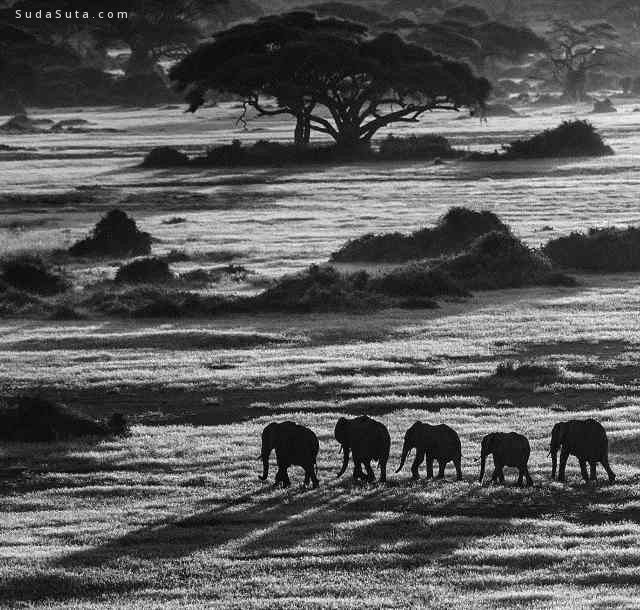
(174, 515)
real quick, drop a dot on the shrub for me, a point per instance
(569, 139)
(116, 234)
(453, 232)
(415, 147)
(150, 270)
(417, 281)
(500, 260)
(165, 156)
(29, 273)
(175, 220)
(600, 250)
(34, 419)
(528, 372)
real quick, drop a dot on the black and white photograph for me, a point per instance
(319, 304)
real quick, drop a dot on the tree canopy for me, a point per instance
(576, 49)
(328, 74)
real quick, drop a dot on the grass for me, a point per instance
(175, 516)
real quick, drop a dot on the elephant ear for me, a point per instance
(269, 436)
(341, 431)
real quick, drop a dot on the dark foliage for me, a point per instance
(416, 147)
(31, 274)
(306, 63)
(600, 250)
(417, 281)
(116, 234)
(453, 232)
(165, 156)
(541, 373)
(500, 260)
(34, 419)
(343, 10)
(569, 139)
(150, 270)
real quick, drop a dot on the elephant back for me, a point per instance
(297, 443)
(370, 438)
(443, 441)
(586, 439)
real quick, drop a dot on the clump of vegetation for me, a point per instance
(30, 274)
(151, 270)
(416, 281)
(416, 147)
(116, 234)
(453, 232)
(35, 419)
(602, 250)
(500, 260)
(543, 373)
(19, 303)
(174, 220)
(165, 156)
(569, 139)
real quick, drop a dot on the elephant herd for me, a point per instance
(368, 440)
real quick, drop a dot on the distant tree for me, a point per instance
(626, 83)
(626, 13)
(328, 75)
(574, 50)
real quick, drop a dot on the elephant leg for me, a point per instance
(415, 467)
(370, 476)
(592, 470)
(441, 467)
(528, 476)
(494, 476)
(429, 467)
(583, 470)
(358, 475)
(605, 463)
(383, 470)
(564, 456)
(520, 476)
(313, 476)
(458, 465)
(285, 478)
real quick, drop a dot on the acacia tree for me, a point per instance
(575, 50)
(327, 74)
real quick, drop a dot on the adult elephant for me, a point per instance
(367, 440)
(295, 446)
(508, 449)
(440, 443)
(584, 438)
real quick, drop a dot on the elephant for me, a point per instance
(295, 446)
(508, 449)
(367, 440)
(440, 443)
(584, 438)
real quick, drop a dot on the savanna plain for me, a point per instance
(174, 515)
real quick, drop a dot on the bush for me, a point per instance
(116, 234)
(603, 250)
(417, 281)
(500, 260)
(453, 232)
(528, 372)
(33, 419)
(570, 139)
(415, 147)
(150, 270)
(30, 274)
(165, 156)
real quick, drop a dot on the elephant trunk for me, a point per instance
(345, 460)
(405, 452)
(483, 459)
(265, 466)
(554, 462)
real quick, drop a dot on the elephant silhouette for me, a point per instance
(584, 438)
(440, 443)
(367, 440)
(508, 449)
(295, 446)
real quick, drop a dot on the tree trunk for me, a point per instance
(141, 60)
(303, 130)
(575, 84)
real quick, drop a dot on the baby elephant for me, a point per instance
(440, 443)
(295, 446)
(584, 438)
(508, 449)
(368, 440)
